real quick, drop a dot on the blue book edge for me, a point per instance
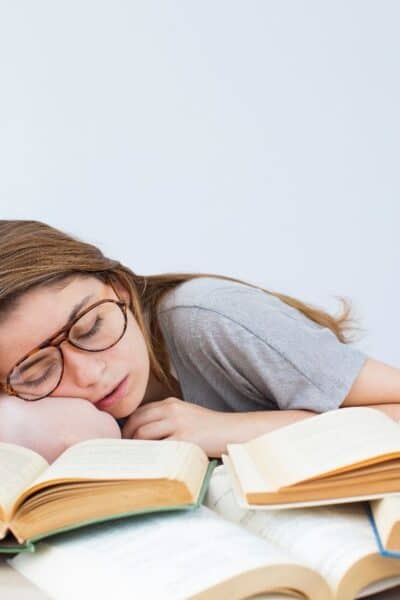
(382, 551)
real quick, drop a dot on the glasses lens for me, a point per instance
(38, 375)
(100, 328)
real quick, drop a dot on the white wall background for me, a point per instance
(257, 139)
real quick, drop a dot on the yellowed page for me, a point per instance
(157, 557)
(243, 503)
(311, 448)
(119, 459)
(328, 540)
(19, 466)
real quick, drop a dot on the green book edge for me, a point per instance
(29, 545)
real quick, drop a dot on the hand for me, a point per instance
(175, 419)
(51, 425)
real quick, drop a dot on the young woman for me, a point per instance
(88, 346)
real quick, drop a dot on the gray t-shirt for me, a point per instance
(236, 348)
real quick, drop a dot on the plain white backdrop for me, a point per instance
(256, 139)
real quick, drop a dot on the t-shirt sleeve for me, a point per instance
(270, 350)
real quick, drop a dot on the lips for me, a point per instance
(109, 393)
(114, 396)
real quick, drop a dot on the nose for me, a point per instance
(82, 367)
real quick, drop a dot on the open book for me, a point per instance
(218, 551)
(94, 480)
(343, 455)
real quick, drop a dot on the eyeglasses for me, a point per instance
(37, 374)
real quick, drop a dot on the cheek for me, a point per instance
(131, 350)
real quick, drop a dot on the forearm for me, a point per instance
(253, 424)
(391, 410)
(377, 386)
(249, 425)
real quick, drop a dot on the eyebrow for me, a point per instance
(75, 311)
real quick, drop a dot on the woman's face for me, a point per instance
(42, 312)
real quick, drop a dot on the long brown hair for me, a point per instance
(33, 254)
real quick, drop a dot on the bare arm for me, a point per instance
(377, 383)
(257, 423)
(377, 386)
(246, 426)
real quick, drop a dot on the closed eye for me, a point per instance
(92, 331)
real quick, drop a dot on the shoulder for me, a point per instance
(211, 321)
(214, 294)
(192, 307)
(192, 293)
(209, 308)
(216, 298)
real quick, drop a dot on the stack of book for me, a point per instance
(311, 510)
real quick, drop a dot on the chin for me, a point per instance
(126, 407)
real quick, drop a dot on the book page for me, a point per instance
(248, 474)
(156, 556)
(328, 540)
(310, 448)
(119, 459)
(19, 466)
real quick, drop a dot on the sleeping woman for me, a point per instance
(89, 348)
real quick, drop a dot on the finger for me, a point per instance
(140, 418)
(150, 405)
(152, 411)
(157, 430)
